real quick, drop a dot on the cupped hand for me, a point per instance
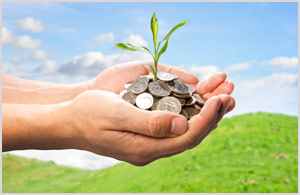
(108, 125)
(114, 78)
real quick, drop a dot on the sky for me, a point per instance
(256, 44)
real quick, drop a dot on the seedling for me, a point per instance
(157, 52)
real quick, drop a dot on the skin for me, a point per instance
(91, 116)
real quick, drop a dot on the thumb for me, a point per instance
(152, 123)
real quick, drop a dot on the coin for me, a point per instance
(199, 99)
(153, 107)
(182, 101)
(164, 85)
(178, 87)
(122, 92)
(197, 106)
(144, 101)
(184, 113)
(190, 101)
(191, 111)
(164, 76)
(156, 89)
(139, 85)
(150, 77)
(191, 88)
(170, 104)
(129, 97)
(127, 85)
(181, 95)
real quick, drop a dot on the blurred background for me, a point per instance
(256, 44)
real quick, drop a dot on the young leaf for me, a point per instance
(145, 48)
(172, 30)
(163, 49)
(128, 46)
(154, 28)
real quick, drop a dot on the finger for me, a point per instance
(209, 85)
(183, 75)
(231, 106)
(226, 87)
(154, 124)
(226, 101)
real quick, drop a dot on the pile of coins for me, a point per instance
(165, 94)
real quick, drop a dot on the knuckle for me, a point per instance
(154, 127)
(139, 160)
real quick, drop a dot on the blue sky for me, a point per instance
(251, 42)
(256, 44)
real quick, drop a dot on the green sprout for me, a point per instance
(157, 52)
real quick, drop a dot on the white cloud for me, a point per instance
(275, 80)
(49, 66)
(92, 63)
(104, 37)
(203, 72)
(238, 66)
(283, 62)
(7, 36)
(40, 54)
(18, 59)
(30, 24)
(25, 42)
(20, 42)
(135, 40)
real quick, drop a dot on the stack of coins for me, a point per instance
(165, 94)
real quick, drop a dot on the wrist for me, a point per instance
(38, 127)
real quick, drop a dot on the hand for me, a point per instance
(114, 78)
(108, 125)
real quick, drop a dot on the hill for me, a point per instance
(247, 153)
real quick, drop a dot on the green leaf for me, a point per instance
(154, 28)
(172, 30)
(145, 48)
(163, 49)
(151, 68)
(128, 46)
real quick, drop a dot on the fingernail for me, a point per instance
(227, 104)
(178, 126)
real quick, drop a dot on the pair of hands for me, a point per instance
(108, 125)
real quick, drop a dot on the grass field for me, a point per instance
(247, 153)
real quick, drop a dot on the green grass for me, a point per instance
(247, 153)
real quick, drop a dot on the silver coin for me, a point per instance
(150, 77)
(182, 101)
(157, 89)
(127, 85)
(144, 101)
(129, 97)
(199, 99)
(192, 111)
(170, 104)
(164, 76)
(191, 88)
(181, 95)
(122, 93)
(139, 85)
(197, 106)
(178, 87)
(184, 113)
(190, 101)
(153, 107)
